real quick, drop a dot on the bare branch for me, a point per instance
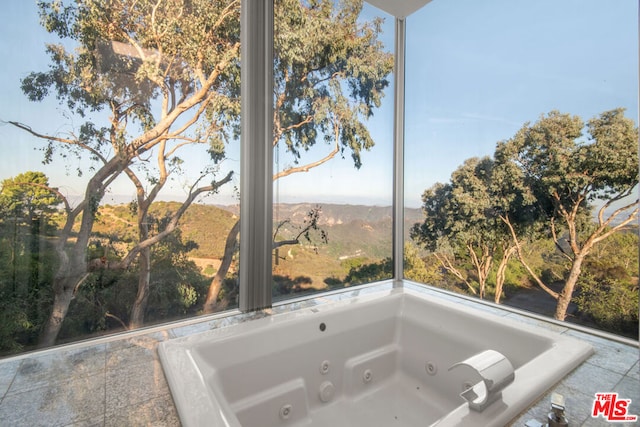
(520, 255)
(632, 216)
(448, 265)
(602, 222)
(117, 319)
(173, 222)
(58, 139)
(308, 166)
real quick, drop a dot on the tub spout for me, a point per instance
(495, 371)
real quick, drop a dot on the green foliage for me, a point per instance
(27, 257)
(207, 226)
(352, 263)
(463, 223)
(372, 272)
(15, 326)
(417, 269)
(27, 197)
(330, 73)
(103, 303)
(414, 269)
(616, 257)
(168, 75)
(611, 303)
(284, 285)
(541, 186)
(563, 172)
(608, 292)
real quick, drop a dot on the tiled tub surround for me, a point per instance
(119, 381)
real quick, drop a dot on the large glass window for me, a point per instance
(120, 164)
(120, 132)
(522, 155)
(333, 137)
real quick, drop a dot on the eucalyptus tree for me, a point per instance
(573, 178)
(156, 77)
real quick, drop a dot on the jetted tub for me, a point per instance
(378, 360)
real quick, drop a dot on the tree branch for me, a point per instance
(172, 224)
(535, 277)
(447, 265)
(58, 139)
(309, 166)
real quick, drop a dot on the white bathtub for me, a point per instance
(380, 360)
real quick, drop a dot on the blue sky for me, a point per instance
(476, 71)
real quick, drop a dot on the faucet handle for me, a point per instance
(495, 371)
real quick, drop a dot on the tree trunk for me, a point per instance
(64, 293)
(500, 274)
(483, 273)
(482, 265)
(567, 291)
(73, 268)
(144, 276)
(216, 283)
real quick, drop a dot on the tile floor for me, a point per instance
(118, 381)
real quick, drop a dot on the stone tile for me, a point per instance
(601, 341)
(588, 379)
(300, 305)
(142, 349)
(159, 412)
(629, 388)
(614, 356)
(128, 385)
(576, 389)
(51, 367)
(601, 422)
(56, 404)
(8, 371)
(196, 328)
(634, 372)
(577, 405)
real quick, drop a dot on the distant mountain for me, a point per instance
(333, 214)
(355, 232)
(206, 225)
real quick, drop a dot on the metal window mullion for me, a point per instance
(398, 154)
(256, 159)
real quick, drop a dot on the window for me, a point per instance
(333, 139)
(509, 124)
(121, 144)
(133, 218)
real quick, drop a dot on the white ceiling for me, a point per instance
(398, 8)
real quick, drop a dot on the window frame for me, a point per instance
(256, 164)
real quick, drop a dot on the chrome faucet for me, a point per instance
(556, 417)
(495, 371)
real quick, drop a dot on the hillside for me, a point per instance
(356, 233)
(205, 225)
